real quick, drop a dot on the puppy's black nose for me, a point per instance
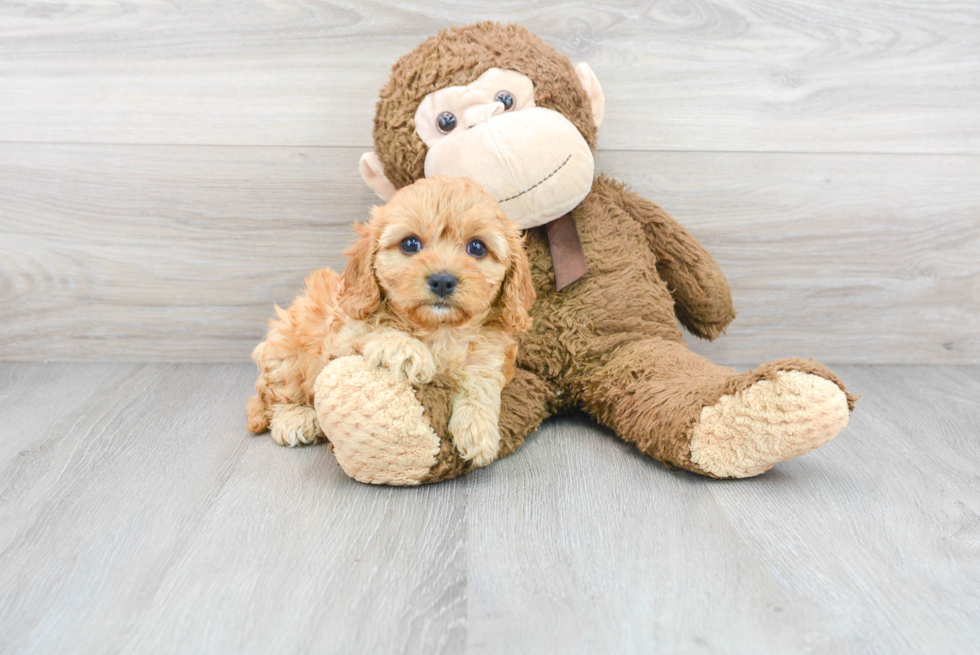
(442, 284)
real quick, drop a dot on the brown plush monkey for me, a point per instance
(494, 103)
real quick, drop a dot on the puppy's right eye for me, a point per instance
(410, 245)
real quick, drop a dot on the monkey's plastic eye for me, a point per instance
(505, 97)
(476, 248)
(410, 245)
(446, 122)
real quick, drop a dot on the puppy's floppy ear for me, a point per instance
(517, 294)
(361, 295)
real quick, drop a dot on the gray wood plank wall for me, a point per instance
(169, 170)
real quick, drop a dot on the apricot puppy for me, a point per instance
(437, 285)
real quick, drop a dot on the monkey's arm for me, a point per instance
(703, 299)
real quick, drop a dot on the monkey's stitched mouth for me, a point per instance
(545, 179)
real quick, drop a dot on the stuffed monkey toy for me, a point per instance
(614, 275)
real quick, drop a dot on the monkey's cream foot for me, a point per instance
(375, 423)
(475, 434)
(748, 432)
(294, 425)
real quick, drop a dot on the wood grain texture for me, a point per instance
(827, 553)
(177, 253)
(138, 515)
(719, 75)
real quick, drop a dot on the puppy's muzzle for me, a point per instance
(442, 284)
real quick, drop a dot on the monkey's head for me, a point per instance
(495, 104)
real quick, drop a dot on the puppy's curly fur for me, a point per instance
(387, 308)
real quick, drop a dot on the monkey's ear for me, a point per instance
(591, 84)
(373, 174)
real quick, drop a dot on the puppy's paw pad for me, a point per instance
(294, 425)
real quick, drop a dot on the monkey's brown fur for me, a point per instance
(456, 57)
(610, 343)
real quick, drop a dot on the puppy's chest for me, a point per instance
(450, 349)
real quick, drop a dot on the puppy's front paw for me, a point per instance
(405, 358)
(476, 437)
(294, 425)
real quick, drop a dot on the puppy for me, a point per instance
(437, 285)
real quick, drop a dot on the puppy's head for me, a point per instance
(441, 252)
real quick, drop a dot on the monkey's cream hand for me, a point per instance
(474, 423)
(404, 357)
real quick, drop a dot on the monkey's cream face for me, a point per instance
(532, 160)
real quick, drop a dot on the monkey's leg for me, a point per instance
(686, 412)
(386, 432)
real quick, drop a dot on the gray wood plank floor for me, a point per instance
(137, 515)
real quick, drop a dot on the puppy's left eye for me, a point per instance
(476, 248)
(410, 245)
